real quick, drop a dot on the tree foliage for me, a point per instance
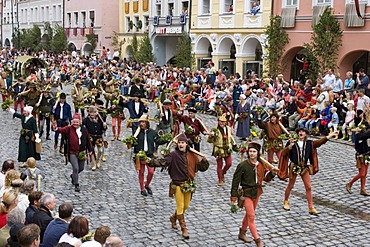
(322, 51)
(32, 38)
(93, 40)
(277, 39)
(145, 51)
(133, 49)
(48, 36)
(59, 41)
(184, 57)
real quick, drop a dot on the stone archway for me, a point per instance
(290, 66)
(7, 43)
(353, 61)
(251, 51)
(203, 50)
(71, 47)
(226, 50)
(86, 49)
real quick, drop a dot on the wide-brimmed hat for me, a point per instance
(167, 102)
(144, 117)
(302, 129)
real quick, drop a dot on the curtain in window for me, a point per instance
(318, 10)
(351, 19)
(288, 17)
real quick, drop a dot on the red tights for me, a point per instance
(116, 121)
(270, 155)
(248, 220)
(222, 170)
(362, 173)
(307, 184)
(148, 177)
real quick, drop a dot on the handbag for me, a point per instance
(38, 146)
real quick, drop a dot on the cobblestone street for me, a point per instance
(111, 196)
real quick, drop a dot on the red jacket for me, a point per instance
(74, 144)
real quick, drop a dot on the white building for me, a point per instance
(31, 12)
(168, 19)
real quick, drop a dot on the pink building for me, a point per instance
(97, 18)
(298, 17)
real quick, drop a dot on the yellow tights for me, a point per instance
(182, 200)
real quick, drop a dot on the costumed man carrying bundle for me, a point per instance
(147, 140)
(44, 106)
(164, 114)
(78, 94)
(303, 161)
(193, 127)
(273, 129)
(117, 114)
(77, 143)
(95, 127)
(136, 109)
(32, 95)
(250, 174)
(223, 145)
(362, 159)
(182, 165)
(29, 134)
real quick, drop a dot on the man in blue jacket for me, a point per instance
(62, 113)
(58, 226)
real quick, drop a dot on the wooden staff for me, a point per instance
(283, 128)
(268, 164)
(137, 132)
(76, 90)
(173, 140)
(190, 149)
(201, 123)
(160, 107)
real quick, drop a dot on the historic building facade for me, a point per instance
(298, 16)
(133, 20)
(85, 19)
(230, 34)
(23, 14)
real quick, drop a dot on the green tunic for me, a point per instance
(26, 140)
(249, 178)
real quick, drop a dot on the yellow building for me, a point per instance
(230, 33)
(133, 19)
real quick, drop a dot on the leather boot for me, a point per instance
(98, 164)
(173, 219)
(364, 193)
(259, 242)
(286, 205)
(94, 166)
(244, 237)
(184, 230)
(313, 211)
(348, 188)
